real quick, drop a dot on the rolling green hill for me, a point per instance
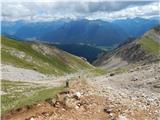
(40, 57)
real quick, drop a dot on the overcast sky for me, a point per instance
(38, 10)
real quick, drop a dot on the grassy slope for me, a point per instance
(150, 45)
(18, 94)
(49, 64)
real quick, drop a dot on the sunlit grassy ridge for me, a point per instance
(56, 62)
(150, 45)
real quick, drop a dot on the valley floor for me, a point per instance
(131, 95)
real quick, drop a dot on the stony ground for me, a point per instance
(138, 90)
(133, 95)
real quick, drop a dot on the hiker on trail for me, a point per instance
(67, 83)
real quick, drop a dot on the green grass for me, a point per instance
(121, 70)
(96, 72)
(18, 94)
(57, 64)
(8, 58)
(150, 45)
(40, 96)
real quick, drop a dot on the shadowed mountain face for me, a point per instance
(145, 49)
(88, 52)
(95, 32)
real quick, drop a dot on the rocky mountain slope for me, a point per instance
(40, 57)
(144, 50)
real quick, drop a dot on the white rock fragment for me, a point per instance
(32, 118)
(78, 95)
(121, 117)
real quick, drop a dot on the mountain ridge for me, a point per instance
(143, 50)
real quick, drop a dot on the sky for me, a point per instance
(50, 10)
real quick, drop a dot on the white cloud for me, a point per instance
(97, 9)
(45, 1)
(130, 12)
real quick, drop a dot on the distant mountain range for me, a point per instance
(94, 32)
